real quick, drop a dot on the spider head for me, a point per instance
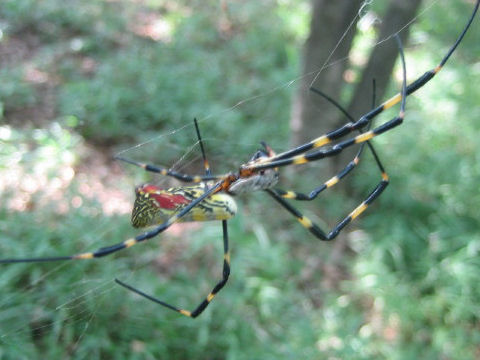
(262, 154)
(259, 180)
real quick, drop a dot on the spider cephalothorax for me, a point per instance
(247, 181)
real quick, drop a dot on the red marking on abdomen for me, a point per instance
(168, 201)
(163, 198)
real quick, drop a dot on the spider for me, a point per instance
(210, 196)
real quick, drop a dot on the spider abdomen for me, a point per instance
(154, 205)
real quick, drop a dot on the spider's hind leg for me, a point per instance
(202, 149)
(202, 306)
(172, 173)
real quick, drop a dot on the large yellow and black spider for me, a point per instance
(210, 196)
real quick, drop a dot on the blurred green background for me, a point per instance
(83, 81)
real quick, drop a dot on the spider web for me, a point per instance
(28, 321)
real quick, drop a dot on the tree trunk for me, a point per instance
(382, 59)
(312, 116)
(330, 20)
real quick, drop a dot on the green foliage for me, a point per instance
(421, 263)
(151, 86)
(407, 286)
(53, 20)
(15, 93)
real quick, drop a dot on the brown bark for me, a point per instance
(330, 19)
(383, 57)
(312, 116)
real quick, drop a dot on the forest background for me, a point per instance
(83, 81)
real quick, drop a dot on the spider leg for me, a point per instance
(315, 229)
(287, 194)
(127, 243)
(342, 131)
(172, 173)
(279, 195)
(364, 120)
(168, 172)
(350, 166)
(202, 149)
(202, 306)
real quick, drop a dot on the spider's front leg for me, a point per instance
(168, 172)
